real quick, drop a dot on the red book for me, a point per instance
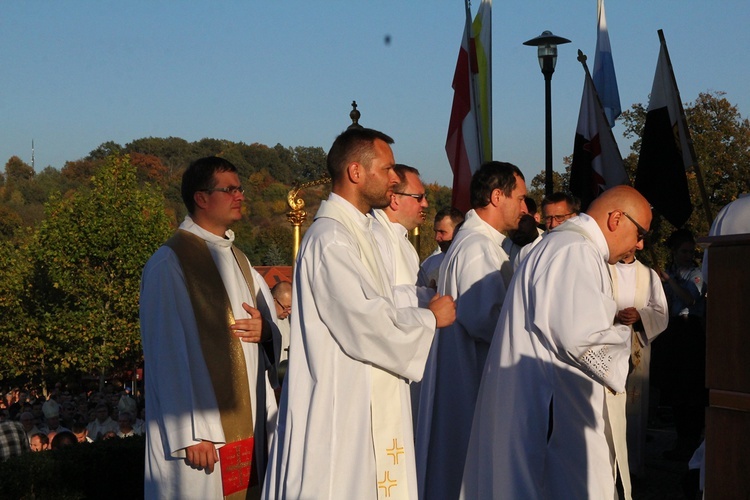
(236, 460)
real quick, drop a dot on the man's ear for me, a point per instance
(200, 198)
(394, 202)
(496, 196)
(613, 220)
(355, 171)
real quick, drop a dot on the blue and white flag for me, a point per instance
(604, 77)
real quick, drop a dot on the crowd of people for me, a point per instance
(514, 362)
(33, 421)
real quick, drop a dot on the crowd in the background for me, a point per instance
(65, 417)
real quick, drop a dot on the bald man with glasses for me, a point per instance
(540, 421)
(282, 297)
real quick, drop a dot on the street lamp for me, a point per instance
(546, 45)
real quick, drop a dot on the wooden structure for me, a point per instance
(728, 367)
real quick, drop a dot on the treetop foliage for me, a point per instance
(73, 290)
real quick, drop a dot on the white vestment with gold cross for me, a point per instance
(345, 330)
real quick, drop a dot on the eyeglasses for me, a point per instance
(559, 218)
(230, 190)
(642, 232)
(418, 197)
(289, 307)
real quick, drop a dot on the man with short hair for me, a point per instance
(539, 422)
(446, 222)
(476, 271)
(65, 439)
(559, 207)
(39, 442)
(282, 299)
(81, 433)
(404, 213)
(207, 329)
(345, 428)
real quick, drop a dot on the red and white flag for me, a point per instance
(597, 164)
(469, 142)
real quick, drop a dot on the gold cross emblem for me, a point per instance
(395, 451)
(387, 483)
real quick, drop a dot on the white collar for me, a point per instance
(190, 226)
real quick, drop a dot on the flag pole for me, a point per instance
(582, 59)
(696, 168)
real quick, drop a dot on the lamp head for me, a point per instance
(546, 45)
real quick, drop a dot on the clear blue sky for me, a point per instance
(77, 74)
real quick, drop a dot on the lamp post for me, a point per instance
(546, 45)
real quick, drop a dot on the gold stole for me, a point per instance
(385, 395)
(222, 351)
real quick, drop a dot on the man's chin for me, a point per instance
(614, 259)
(381, 203)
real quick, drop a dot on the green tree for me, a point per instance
(18, 170)
(88, 256)
(266, 246)
(21, 350)
(105, 150)
(560, 182)
(51, 180)
(210, 147)
(309, 163)
(438, 196)
(22, 193)
(10, 222)
(175, 153)
(81, 171)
